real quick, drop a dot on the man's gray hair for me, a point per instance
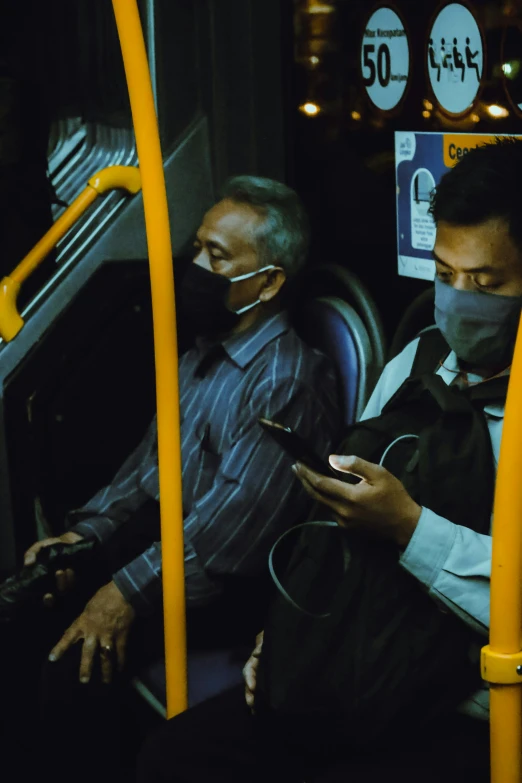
(284, 235)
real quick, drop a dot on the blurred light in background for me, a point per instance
(310, 109)
(320, 8)
(496, 111)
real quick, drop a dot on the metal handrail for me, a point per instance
(165, 346)
(501, 659)
(113, 177)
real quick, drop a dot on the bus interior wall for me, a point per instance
(240, 71)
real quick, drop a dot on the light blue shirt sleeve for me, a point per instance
(451, 561)
(454, 564)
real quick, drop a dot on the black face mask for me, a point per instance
(204, 297)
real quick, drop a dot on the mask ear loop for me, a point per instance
(246, 277)
(253, 274)
(247, 308)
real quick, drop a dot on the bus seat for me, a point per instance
(333, 327)
(417, 317)
(335, 280)
(209, 672)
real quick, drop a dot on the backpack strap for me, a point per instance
(431, 349)
(492, 391)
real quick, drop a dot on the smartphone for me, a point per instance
(297, 447)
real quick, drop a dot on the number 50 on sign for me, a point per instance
(385, 59)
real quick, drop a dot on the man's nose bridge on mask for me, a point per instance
(462, 282)
(202, 259)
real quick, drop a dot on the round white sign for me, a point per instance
(455, 60)
(385, 59)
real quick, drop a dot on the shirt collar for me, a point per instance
(242, 348)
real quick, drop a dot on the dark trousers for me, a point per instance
(49, 721)
(51, 725)
(54, 727)
(220, 742)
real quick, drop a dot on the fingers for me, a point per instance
(368, 471)
(64, 583)
(61, 581)
(330, 487)
(121, 650)
(66, 538)
(343, 509)
(90, 644)
(249, 698)
(256, 653)
(249, 674)
(32, 553)
(106, 659)
(339, 506)
(65, 580)
(311, 491)
(71, 636)
(71, 578)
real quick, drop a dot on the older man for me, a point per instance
(238, 494)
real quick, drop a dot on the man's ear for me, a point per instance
(275, 279)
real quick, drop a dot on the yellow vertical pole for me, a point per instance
(502, 658)
(165, 345)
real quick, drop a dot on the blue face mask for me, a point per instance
(480, 327)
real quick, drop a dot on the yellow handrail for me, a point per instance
(165, 345)
(124, 177)
(502, 658)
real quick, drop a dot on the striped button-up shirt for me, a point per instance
(239, 493)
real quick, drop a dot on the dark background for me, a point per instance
(75, 403)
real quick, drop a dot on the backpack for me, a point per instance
(355, 650)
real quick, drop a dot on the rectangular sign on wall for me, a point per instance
(420, 161)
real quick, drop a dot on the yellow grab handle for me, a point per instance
(42, 248)
(502, 658)
(124, 177)
(10, 319)
(165, 346)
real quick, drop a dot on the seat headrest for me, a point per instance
(332, 326)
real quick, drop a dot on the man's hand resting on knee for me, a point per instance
(104, 627)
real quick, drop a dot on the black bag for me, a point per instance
(369, 652)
